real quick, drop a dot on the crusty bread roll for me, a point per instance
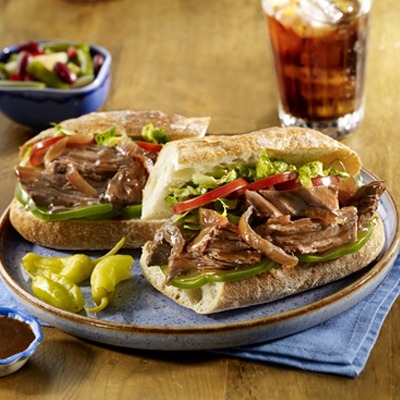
(99, 235)
(267, 287)
(80, 234)
(181, 159)
(295, 146)
(130, 122)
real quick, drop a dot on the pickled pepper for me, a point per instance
(35, 264)
(58, 291)
(106, 275)
(55, 279)
(77, 267)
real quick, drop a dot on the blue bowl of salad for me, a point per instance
(45, 82)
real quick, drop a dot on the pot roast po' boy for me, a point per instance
(257, 217)
(80, 183)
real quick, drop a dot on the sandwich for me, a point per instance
(80, 183)
(257, 217)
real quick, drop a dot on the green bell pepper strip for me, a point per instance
(362, 239)
(96, 211)
(197, 281)
(103, 211)
(132, 212)
(21, 195)
(92, 212)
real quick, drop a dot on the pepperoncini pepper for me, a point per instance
(77, 267)
(107, 273)
(58, 291)
(35, 264)
(55, 279)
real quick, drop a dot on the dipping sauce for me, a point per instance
(15, 336)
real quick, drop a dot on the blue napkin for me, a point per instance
(339, 346)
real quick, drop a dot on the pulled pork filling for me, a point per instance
(88, 175)
(275, 224)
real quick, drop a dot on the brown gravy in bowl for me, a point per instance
(15, 336)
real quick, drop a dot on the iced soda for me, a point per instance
(319, 49)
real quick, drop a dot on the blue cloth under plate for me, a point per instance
(339, 346)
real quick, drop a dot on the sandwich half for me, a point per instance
(257, 217)
(80, 183)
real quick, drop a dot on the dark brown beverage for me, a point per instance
(320, 67)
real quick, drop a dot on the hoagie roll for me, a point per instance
(80, 183)
(258, 217)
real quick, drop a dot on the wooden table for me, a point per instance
(198, 58)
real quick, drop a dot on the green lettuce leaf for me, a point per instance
(264, 167)
(154, 135)
(107, 138)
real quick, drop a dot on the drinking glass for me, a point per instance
(319, 50)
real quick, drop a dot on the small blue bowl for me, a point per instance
(15, 362)
(37, 108)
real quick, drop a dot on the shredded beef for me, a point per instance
(276, 224)
(211, 224)
(47, 189)
(307, 236)
(86, 175)
(159, 250)
(296, 202)
(366, 200)
(216, 247)
(262, 207)
(169, 241)
(126, 186)
(263, 245)
(324, 215)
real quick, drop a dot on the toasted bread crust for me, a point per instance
(130, 122)
(181, 159)
(80, 235)
(266, 287)
(294, 145)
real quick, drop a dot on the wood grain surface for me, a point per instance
(198, 58)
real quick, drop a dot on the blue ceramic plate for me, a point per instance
(142, 318)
